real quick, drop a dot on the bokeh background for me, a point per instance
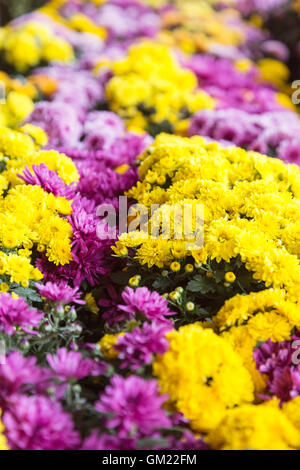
(10, 9)
(284, 28)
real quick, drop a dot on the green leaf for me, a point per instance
(161, 283)
(122, 277)
(219, 276)
(30, 295)
(201, 284)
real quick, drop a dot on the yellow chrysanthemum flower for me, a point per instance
(202, 389)
(255, 427)
(151, 90)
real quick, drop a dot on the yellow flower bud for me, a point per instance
(134, 281)
(230, 277)
(189, 268)
(179, 289)
(190, 306)
(175, 267)
(4, 287)
(175, 295)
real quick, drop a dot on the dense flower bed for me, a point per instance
(119, 334)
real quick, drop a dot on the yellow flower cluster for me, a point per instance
(245, 320)
(195, 26)
(251, 214)
(22, 86)
(21, 148)
(216, 395)
(250, 201)
(274, 71)
(15, 109)
(29, 216)
(214, 380)
(16, 100)
(256, 427)
(266, 314)
(25, 46)
(78, 21)
(151, 91)
(107, 344)
(83, 23)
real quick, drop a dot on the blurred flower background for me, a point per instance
(10, 9)
(168, 103)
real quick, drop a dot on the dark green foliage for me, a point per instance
(10, 9)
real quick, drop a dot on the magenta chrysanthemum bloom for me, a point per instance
(278, 363)
(48, 180)
(141, 20)
(111, 315)
(101, 128)
(235, 89)
(149, 304)
(188, 441)
(86, 90)
(276, 49)
(17, 373)
(71, 364)
(17, 313)
(272, 133)
(91, 256)
(257, 6)
(60, 293)
(38, 423)
(84, 94)
(103, 184)
(137, 348)
(59, 120)
(107, 442)
(135, 406)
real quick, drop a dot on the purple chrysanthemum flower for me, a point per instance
(59, 120)
(48, 180)
(272, 133)
(136, 349)
(107, 442)
(111, 315)
(38, 423)
(232, 88)
(90, 254)
(141, 20)
(248, 7)
(60, 293)
(144, 302)
(279, 362)
(188, 441)
(18, 373)
(17, 313)
(135, 406)
(71, 364)
(102, 185)
(102, 127)
(86, 90)
(276, 49)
